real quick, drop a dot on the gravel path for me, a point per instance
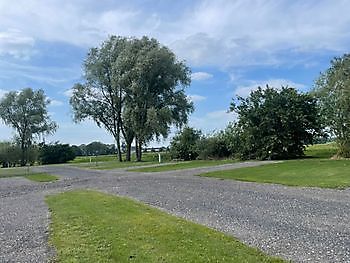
(300, 224)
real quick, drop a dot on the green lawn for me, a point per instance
(41, 177)
(326, 150)
(183, 165)
(93, 227)
(308, 172)
(15, 171)
(112, 165)
(26, 172)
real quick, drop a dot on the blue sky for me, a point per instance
(231, 46)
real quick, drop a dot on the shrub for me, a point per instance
(184, 144)
(56, 153)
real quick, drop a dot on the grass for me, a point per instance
(41, 177)
(308, 173)
(318, 170)
(26, 173)
(183, 165)
(326, 150)
(112, 165)
(106, 162)
(90, 226)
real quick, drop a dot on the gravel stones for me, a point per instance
(300, 224)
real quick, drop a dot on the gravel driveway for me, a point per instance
(300, 224)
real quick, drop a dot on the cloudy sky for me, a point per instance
(231, 46)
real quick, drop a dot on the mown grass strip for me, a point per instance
(41, 177)
(308, 172)
(183, 165)
(90, 226)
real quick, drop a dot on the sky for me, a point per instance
(232, 47)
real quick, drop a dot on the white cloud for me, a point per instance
(201, 76)
(212, 121)
(2, 93)
(56, 103)
(13, 42)
(68, 93)
(244, 90)
(195, 98)
(221, 33)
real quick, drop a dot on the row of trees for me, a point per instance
(135, 89)
(11, 154)
(279, 123)
(272, 124)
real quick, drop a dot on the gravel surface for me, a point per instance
(300, 224)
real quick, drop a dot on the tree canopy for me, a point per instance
(332, 89)
(275, 123)
(184, 144)
(26, 112)
(135, 89)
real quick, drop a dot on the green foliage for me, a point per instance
(98, 148)
(10, 154)
(213, 147)
(332, 89)
(184, 144)
(275, 124)
(134, 88)
(95, 227)
(26, 112)
(56, 153)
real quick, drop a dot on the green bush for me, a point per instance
(56, 153)
(184, 144)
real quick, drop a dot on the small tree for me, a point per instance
(184, 144)
(276, 124)
(26, 112)
(332, 89)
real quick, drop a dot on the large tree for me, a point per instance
(332, 89)
(101, 97)
(26, 112)
(275, 123)
(155, 98)
(134, 88)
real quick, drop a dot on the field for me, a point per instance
(95, 227)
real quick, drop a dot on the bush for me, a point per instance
(56, 153)
(184, 144)
(10, 154)
(214, 147)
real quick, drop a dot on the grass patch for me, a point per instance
(326, 150)
(93, 227)
(112, 165)
(41, 177)
(308, 172)
(16, 171)
(183, 165)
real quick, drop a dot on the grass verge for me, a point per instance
(307, 172)
(111, 165)
(41, 177)
(89, 226)
(183, 165)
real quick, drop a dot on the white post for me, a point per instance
(159, 158)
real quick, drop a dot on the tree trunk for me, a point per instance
(128, 151)
(118, 147)
(139, 146)
(23, 155)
